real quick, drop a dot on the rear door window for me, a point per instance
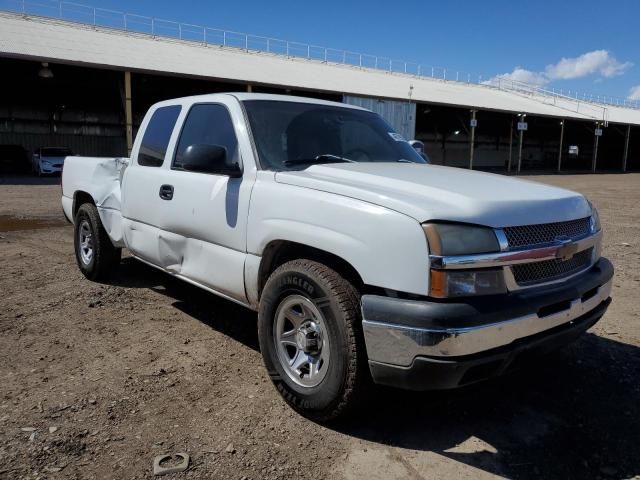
(156, 136)
(56, 152)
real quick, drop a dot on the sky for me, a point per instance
(585, 46)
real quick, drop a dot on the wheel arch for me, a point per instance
(278, 252)
(79, 198)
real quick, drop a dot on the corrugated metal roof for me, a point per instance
(54, 40)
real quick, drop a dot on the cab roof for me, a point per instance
(246, 96)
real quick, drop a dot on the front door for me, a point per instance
(208, 211)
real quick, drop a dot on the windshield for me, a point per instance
(56, 152)
(292, 135)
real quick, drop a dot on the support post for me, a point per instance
(561, 143)
(249, 88)
(520, 149)
(594, 160)
(510, 145)
(127, 111)
(626, 149)
(473, 138)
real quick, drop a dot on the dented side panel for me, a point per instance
(101, 179)
(200, 232)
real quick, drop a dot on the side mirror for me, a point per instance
(417, 145)
(209, 159)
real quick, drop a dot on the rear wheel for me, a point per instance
(310, 339)
(95, 254)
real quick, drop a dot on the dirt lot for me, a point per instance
(97, 379)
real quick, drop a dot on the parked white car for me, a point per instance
(362, 261)
(49, 160)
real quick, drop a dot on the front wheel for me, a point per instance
(310, 337)
(95, 254)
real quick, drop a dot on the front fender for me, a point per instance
(387, 249)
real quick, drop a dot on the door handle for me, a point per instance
(166, 192)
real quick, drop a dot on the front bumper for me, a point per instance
(50, 169)
(435, 344)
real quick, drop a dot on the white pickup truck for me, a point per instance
(363, 262)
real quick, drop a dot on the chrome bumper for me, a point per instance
(396, 344)
(51, 169)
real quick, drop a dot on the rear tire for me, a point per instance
(95, 254)
(309, 328)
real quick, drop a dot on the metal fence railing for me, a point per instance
(564, 100)
(157, 27)
(561, 94)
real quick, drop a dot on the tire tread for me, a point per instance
(106, 256)
(347, 299)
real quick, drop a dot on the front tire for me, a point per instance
(309, 328)
(95, 254)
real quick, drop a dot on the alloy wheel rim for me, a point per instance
(301, 341)
(85, 240)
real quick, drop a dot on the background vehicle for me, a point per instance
(49, 160)
(362, 261)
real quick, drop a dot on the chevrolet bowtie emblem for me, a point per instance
(567, 249)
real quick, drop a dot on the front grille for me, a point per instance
(529, 235)
(549, 270)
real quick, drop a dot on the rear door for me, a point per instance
(144, 212)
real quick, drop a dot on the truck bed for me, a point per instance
(99, 177)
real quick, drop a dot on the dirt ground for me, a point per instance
(98, 379)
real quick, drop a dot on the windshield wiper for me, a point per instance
(323, 158)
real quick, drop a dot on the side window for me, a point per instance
(207, 124)
(156, 136)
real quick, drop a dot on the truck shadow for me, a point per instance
(222, 315)
(573, 415)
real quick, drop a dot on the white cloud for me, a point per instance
(597, 62)
(520, 74)
(634, 93)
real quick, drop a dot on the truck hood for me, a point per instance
(430, 192)
(52, 159)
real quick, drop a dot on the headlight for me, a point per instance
(595, 220)
(594, 227)
(462, 283)
(454, 239)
